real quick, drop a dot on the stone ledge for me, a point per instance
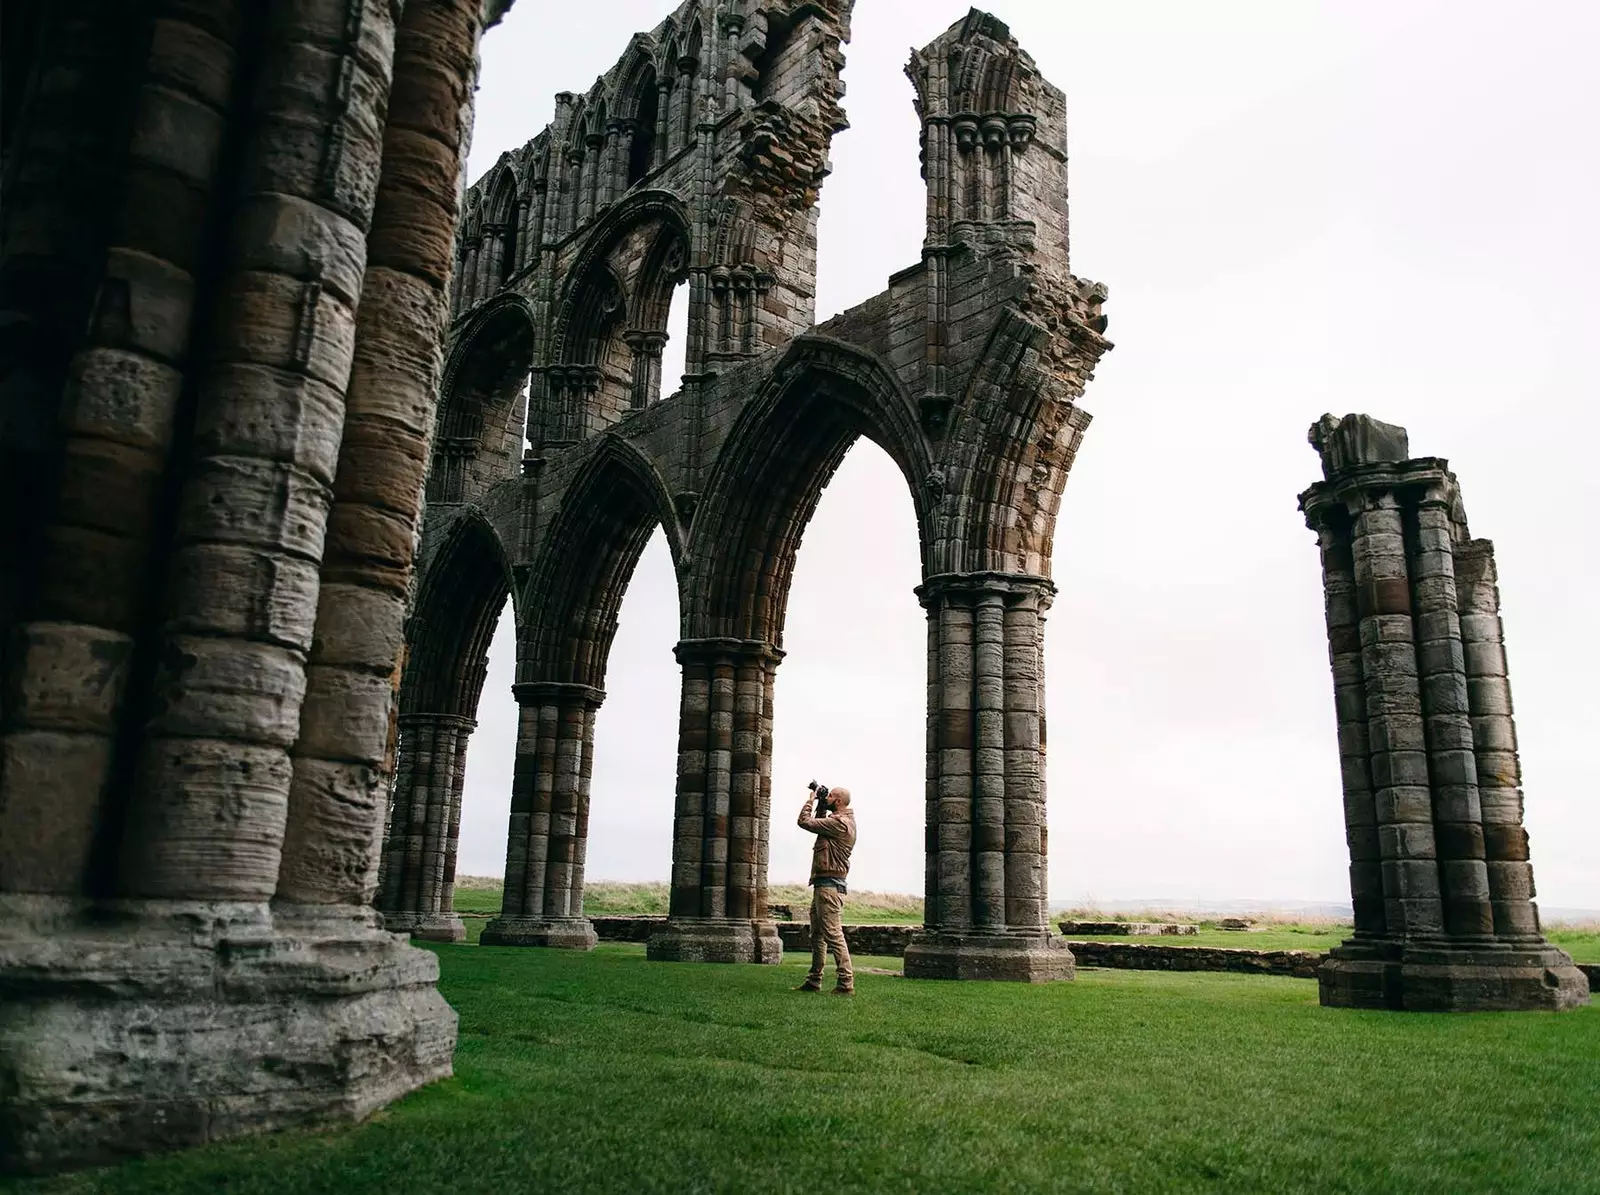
(1152, 929)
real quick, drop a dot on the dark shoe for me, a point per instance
(842, 992)
(808, 986)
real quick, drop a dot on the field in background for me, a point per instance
(1268, 931)
(599, 1071)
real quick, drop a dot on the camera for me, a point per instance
(822, 797)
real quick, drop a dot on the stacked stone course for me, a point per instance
(1440, 877)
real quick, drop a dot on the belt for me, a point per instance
(829, 882)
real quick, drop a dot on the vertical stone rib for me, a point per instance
(1024, 832)
(1494, 733)
(932, 908)
(1394, 722)
(955, 762)
(212, 781)
(769, 674)
(580, 832)
(989, 764)
(745, 788)
(519, 825)
(564, 808)
(535, 885)
(719, 789)
(1350, 704)
(71, 661)
(688, 841)
(1453, 771)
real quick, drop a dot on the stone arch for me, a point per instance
(607, 513)
(637, 106)
(1013, 439)
(610, 321)
(500, 227)
(463, 587)
(482, 402)
(771, 472)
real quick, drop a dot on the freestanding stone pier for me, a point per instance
(1439, 869)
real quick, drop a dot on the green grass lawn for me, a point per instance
(604, 1072)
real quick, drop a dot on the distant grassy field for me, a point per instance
(608, 899)
(603, 1072)
(476, 894)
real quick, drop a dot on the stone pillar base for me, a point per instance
(566, 933)
(1027, 959)
(426, 927)
(715, 940)
(160, 1025)
(1445, 978)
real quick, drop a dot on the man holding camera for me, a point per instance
(834, 824)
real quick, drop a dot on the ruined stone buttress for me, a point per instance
(697, 161)
(1439, 869)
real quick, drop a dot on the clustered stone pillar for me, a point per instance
(1439, 874)
(200, 680)
(549, 832)
(986, 839)
(718, 910)
(416, 889)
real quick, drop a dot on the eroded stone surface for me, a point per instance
(1440, 876)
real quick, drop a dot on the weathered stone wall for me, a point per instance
(227, 255)
(1298, 964)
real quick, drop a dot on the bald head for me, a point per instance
(839, 797)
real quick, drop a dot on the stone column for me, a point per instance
(985, 905)
(418, 874)
(1350, 705)
(1494, 734)
(647, 348)
(1452, 766)
(547, 838)
(1398, 759)
(660, 151)
(1414, 630)
(718, 910)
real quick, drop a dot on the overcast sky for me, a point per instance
(1385, 206)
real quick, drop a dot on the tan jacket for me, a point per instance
(836, 837)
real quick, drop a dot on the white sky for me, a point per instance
(1385, 206)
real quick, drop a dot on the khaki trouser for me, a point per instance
(828, 934)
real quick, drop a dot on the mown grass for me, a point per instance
(603, 1072)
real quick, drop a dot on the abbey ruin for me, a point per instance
(697, 160)
(292, 415)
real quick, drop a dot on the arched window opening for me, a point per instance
(486, 792)
(674, 355)
(852, 688)
(636, 737)
(642, 148)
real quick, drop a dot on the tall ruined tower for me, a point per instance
(698, 159)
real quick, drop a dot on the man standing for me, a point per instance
(830, 864)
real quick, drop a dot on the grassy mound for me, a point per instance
(603, 1072)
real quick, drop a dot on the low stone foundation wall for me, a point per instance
(1299, 964)
(1143, 929)
(889, 940)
